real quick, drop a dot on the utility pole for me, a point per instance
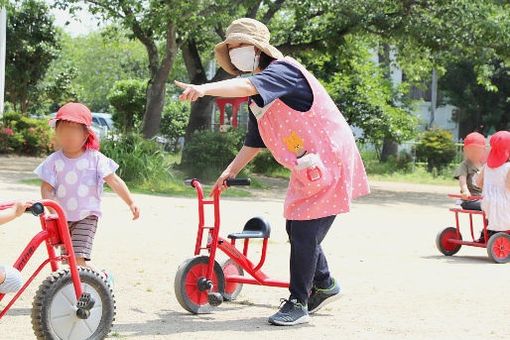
(433, 99)
(3, 29)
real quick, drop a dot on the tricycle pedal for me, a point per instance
(214, 299)
(86, 301)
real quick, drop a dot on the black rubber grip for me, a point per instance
(189, 182)
(237, 182)
(36, 209)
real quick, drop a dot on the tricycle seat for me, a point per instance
(464, 211)
(256, 227)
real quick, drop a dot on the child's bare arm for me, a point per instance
(479, 179)
(11, 213)
(47, 191)
(121, 189)
(464, 190)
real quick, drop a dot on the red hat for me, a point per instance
(78, 113)
(474, 139)
(500, 149)
(74, 112)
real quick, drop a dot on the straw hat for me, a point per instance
(247, 31)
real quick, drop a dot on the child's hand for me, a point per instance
(465, 194)
(21, 207)
(135, 210)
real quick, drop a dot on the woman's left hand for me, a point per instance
(191, 92)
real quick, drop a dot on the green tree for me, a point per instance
(436, 31)
(101, 59)
(174, 121)
(32, 44)
(437, 148)
(161, 26)
(479, 108)
(127, 97)
(360, 89)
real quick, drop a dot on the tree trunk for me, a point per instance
(390, 148)
(157, 85)
(200, 116)
(154, 106)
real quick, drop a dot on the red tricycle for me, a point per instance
(449, 241)
(201, 282)
(74, 303)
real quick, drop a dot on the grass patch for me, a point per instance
(420, 176)
(171, 187)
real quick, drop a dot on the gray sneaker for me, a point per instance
(321, 297)
(291, 313)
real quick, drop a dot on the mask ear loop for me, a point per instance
(254, 60)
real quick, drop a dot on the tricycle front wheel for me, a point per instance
(55, 314)
(443, 243)
(498, 248)
(191, 284)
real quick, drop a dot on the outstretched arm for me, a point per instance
(11, 213)
(238, 87)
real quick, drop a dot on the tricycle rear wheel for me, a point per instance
(189, 278)
(498, 248)
(232, 289)
(444, 245)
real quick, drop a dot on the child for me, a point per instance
(495, 180)
(74, 176)
(474, 153)
(10, 278)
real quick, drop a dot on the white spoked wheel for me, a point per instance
(55, 313)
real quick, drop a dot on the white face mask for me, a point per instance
(244, 58)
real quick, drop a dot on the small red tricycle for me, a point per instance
(201, 282)
(72, 304)
(449, 241)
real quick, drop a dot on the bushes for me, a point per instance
(208, 153)
(437, 148)
(139, 160)
(23, 135)
(127, 97)
(174, 122)
(265, 163)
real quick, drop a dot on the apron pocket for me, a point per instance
(311, 180)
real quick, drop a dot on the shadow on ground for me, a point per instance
(171, 322)
(459, 259)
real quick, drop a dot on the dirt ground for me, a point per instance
(395, 283)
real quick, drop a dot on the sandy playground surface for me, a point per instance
(395, 283)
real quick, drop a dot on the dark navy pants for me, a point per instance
(308, 265)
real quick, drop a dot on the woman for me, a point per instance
(293, 116)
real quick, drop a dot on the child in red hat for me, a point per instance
(75, 174)
(495, 180)
(469, 169)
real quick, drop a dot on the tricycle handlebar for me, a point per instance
(229, 182)
(468, 198)
(237, 182)
(36, 209)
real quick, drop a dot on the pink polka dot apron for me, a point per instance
(337, 175)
